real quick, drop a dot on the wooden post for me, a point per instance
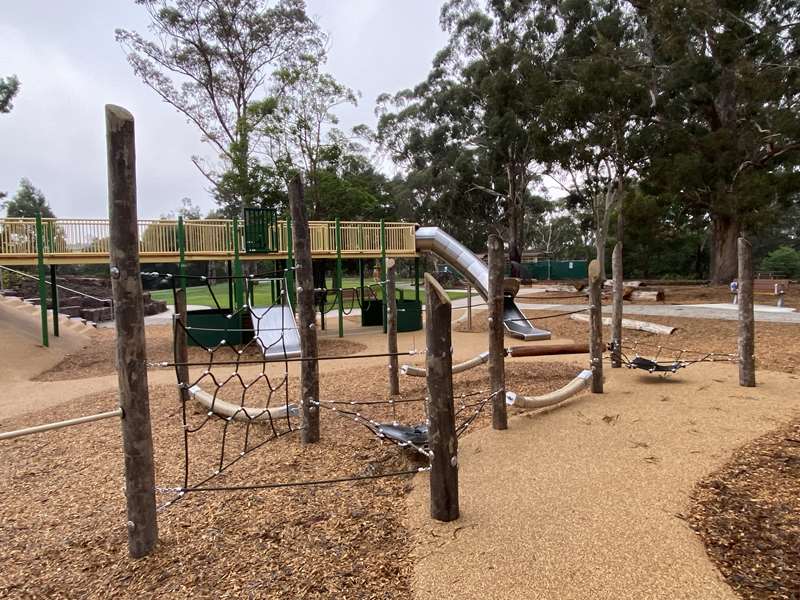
(747, 340)
(288, 271)
(616, 309)
(54, 295)
(309, 369)
(596, 327)
(181, 321)
(126, 283)
(497, 369)
(442, 439)
(42, 276)
(391, 318)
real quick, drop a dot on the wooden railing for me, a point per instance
(83, 239)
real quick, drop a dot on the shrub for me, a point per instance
(785, 261)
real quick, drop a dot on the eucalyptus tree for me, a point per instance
(211, 60)
(9, 87)
(28, 201)
(727, 88)
(298, 128)
(469, 135)
(598, 115)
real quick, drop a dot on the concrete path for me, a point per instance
(587, 500)
(724, 312)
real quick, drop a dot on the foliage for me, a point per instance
(598, 113)
(28, 202)
(9, 87)
(187, 210)
(726, 85)
(299, 128)
(784, 261)
(469, 134)
(211, 60)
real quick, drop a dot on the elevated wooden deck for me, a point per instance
(85, 241)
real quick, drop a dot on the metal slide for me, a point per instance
(437, 241)
(276, 331)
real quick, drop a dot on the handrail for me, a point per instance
(203, 237)
(58, 285)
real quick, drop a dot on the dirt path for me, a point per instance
(534, 523)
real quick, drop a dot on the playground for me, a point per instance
(483, 447)
(645, 443)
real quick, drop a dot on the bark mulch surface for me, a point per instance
(748, 515)
(63, 517)
(98, 358)
(777, 344)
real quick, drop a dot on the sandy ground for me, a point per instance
(589, 500)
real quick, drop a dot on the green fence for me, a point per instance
(555, 269)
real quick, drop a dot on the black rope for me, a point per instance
(537, 318)
(288, 359)
(273, 387)
(313, 482)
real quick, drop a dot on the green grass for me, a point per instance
(200, 295)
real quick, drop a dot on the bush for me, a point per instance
(784, 261)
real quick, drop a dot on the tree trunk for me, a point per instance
(600, 248)
(725, 231)
(515, 217)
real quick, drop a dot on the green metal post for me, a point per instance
(238, 287)
(230, 286)
(361, 262)
(181, 254)
(42, 277)
(339, 275)
(273, 292)
(290, 287)
(54, 296)
(416, 278)
(383, 275)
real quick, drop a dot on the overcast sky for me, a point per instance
(70, 66)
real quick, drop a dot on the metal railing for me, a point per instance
(66, 238)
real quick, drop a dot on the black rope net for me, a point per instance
(236, 395)
(657, 358)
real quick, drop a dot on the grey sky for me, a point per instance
(69, 66)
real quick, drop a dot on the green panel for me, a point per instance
(217, 319)
(556, 269)
(260, 230)
(371, 313)
(409, 315)
(569, 269)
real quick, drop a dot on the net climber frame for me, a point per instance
(246, 395)
(675, 359)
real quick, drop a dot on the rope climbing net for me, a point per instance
(234, 382)
(664, 359)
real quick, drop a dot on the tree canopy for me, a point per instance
(9, 87)
(211, 61)
(28, 201)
